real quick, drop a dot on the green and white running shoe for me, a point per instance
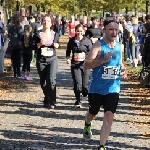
(101, 148)
(87, 133)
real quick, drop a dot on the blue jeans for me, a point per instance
(127, 51)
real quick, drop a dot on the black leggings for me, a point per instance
(26, 62)
(47, 73)
(80, 79)
(16, 57)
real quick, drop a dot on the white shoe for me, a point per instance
(28, 78)
(84, 98)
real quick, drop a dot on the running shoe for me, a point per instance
(87, 133)
(101, 148)
(23, 77)
(28, 78)
(48, 106)
(84, 98)
(77, 104)
(19, 76)
(52, 106)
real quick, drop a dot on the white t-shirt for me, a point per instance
(78, 43)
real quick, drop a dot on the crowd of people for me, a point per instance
(94, 52)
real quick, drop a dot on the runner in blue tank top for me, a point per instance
(105, 59)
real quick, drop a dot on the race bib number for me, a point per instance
(79, 56)
(109, 72)
(72, 30)
(45, 51)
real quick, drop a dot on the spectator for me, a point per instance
(27, 42)
(2, 42)
(63, 25)
(15, 33)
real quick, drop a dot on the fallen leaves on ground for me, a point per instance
(7, 82)
(139, 97)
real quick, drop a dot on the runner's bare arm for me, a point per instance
(93, 59)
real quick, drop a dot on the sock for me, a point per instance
(87, 124)
(102, 146)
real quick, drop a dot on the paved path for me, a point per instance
(25, 125)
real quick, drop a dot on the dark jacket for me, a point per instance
(14, 34)
(93, 32)
(147, 48)
(27, 50)
(85, 46)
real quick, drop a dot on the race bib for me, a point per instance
(45, 51)
(79, 56)
(93, 40)
(109, 72)
(72, 30)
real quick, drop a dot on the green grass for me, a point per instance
(137, 69)
(133, 69)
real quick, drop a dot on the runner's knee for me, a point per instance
(108, 117)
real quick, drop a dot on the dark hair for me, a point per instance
(147, 27)
(78, 26)
(51, 18)
(37, 19)
(27, 31)
(31, 17)
(147, 17)
(106, 22)
(93, 18)
(15, 19)
(128, 18)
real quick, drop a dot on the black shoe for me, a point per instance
(46, 105)
(52, 106)
(148, 86)
(45, 101)
(19, 76)
(49, 106)
(77, 104)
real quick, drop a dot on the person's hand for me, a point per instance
(107, 57)
(56, 45)
(93, 40)
(68, 61)
(123, 73)
(42, 42)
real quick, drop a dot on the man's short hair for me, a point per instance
(106, 22)
(147, 17)
(93, 18)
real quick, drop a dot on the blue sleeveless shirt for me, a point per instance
(106, 77)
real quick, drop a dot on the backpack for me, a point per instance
(14, 38)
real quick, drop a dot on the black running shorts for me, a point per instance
(109, 102)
